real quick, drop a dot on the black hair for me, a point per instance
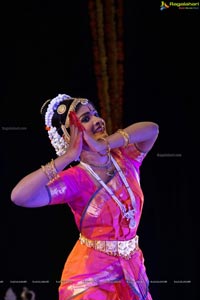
(60, 119)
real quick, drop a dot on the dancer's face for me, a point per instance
(92, 122)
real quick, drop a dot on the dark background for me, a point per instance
(46, 49)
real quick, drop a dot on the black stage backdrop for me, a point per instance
(46, 49)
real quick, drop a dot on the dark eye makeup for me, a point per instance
(87, 116)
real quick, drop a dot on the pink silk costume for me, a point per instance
(89, 273)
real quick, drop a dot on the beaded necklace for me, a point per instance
(129, 214)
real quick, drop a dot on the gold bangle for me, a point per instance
(50, 170)
(125, 136)
(107, 147)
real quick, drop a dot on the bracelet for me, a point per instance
(107, 147)
(125, 136)
(50, 170)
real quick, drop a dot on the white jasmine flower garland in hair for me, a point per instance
(57, 141)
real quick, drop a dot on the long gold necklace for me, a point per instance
(129, 214)
(107, 166)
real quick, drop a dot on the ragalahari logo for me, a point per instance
(179, 5)
(164, 5)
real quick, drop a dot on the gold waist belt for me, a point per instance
(124, 249)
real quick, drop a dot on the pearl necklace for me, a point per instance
(129, 214)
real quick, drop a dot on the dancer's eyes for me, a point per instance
(88, 115)
(85, 118)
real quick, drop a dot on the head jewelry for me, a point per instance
(60, 143)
